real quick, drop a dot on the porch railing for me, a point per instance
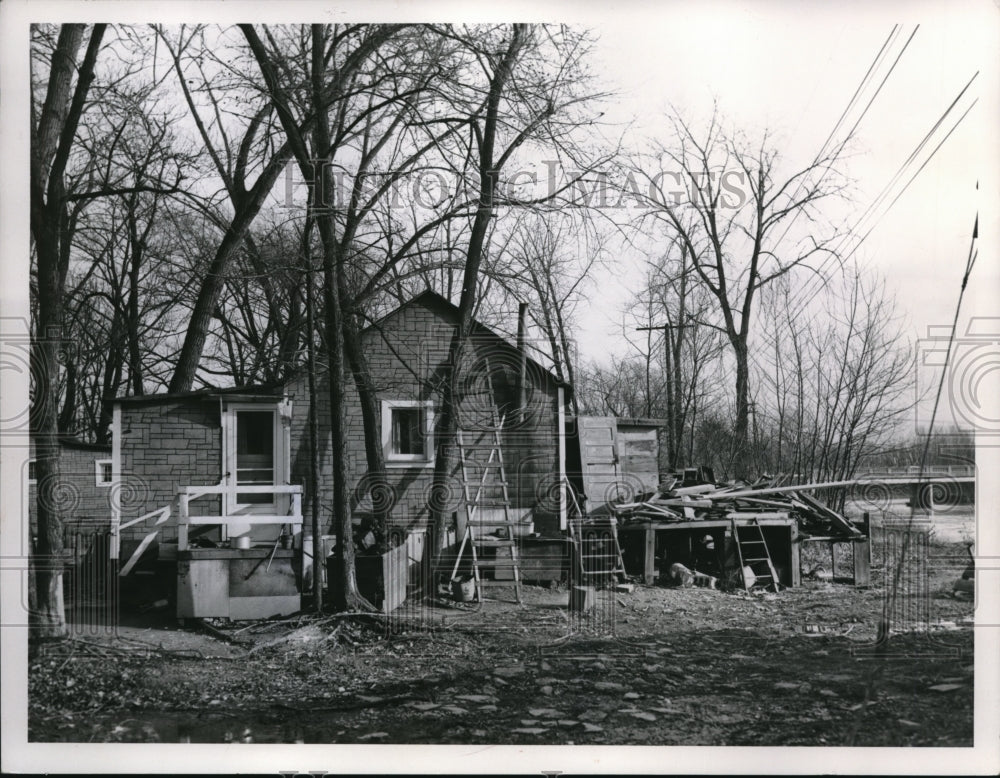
(228, 492)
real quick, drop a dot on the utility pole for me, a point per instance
(673, 434)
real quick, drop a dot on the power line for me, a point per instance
(913, 155)
(873, 207)
(843, 115)
(857, 92)
(892, 68)
(906, 186)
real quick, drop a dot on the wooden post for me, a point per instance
(581, 598)
(522, 373)
(861, 550)
(649, 561)
(795, 574)
(182, 520)
(862, 569)
(564, 484)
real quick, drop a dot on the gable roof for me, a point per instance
(433, 300)
(428, 298)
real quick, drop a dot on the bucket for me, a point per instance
(242, 542)
(463, 589)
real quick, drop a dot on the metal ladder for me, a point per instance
(598, 555)
(474, 502)
(752, 552)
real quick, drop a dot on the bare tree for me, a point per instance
(676, 305)
(312, 153)
(546, 263)
(240, 145)
(731, 207)
(523, 84)
(835, 386)
(53, 134)
(115, 302)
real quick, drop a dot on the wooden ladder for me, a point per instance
(473, 502)
(751, 551)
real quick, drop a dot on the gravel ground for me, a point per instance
(655, 666)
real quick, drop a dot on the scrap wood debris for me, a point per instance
(678, 501)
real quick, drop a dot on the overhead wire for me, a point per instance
(835, 255)
(865, 80)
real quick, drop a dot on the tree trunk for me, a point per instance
(346, 593)
(375, 483)
(208, 298)
(135, 264)
(47, 618)
(51, 145)
(444, 462)
(314, 474)
(347, 596)
(741, 429)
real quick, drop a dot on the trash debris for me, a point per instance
(763, 499)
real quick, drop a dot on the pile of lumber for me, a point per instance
(707, 502)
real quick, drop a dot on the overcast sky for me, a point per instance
(794, 73)
(788, 67)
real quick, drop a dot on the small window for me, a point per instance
(32, 476)
(406, 432)
(102, 472)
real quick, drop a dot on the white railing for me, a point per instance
(958, 470)
(228, 492)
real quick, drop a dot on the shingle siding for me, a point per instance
(166, 445)
(178, 441)
(406, 354)
(85, 505)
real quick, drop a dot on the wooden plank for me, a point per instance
(861, 551)
(600, 458)
(649, 562)
(658, 509)
(686, 502)
(244, 518)
(837, 519)
(700, 489)
(140, 549)
(765, 503)
(796, 561)
(784, 489)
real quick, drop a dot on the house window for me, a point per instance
(407, 432)
(102, 472)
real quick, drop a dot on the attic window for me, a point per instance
(102, 472)
(407, 432)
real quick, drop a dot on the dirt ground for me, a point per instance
(656, 666)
